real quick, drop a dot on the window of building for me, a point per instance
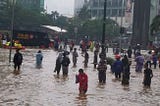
(101, 3)
(94, 13)
(120, 3)
(95, 4)
(115, 3)
(109, 3)
(101, 13)
(108, 12)
(114, 12)
(120, 12)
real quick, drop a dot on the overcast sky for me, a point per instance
(65, 7)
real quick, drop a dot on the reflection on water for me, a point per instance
(81, 100)
(101, 86)
(16, 72)
(126, 88)
(60, 78)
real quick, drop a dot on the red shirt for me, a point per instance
(83, 81)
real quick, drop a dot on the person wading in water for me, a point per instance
(18, 58)
(82, 79)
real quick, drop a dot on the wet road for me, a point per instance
(41, 87)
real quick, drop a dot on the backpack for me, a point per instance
(117, 66)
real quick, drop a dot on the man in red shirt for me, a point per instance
(82, 79)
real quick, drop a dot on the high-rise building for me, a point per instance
(154, 9)
(158, 7)
(129, 13)
(31, 4)
(42, 4)
(78, 4)
(115, 9)
(3, 4)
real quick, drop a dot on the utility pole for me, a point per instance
(122, 28)
(12, 29)
(103, 52)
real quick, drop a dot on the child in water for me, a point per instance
(39, 58)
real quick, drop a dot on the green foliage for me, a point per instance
(28, 18)
(54, 15)
(155, 26)
(93, 28)
(24, 17)
(84, 13)
(61, 21)
(110, 60)
(5, 15)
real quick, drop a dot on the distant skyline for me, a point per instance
(64, 7)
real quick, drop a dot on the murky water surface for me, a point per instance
(41, 87)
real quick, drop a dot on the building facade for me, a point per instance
(3, 4)
(31, 4)
(118, 10)
(158, 7)
(154, 9)
(42, 4)
(78, 5)
(114, 8)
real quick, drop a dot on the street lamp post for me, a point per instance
(102, 74)
(122, 28)
(12, 28)
(103, 52)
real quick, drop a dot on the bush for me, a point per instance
(110, 60)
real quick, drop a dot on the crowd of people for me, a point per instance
(120, 67)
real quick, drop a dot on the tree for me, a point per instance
(61, 21)
(84, 13)
(93, 28)
(54, 15)
(24, 17)
(5, 14)
(29, 18)
(155, 26)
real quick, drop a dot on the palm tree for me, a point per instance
(54, 15)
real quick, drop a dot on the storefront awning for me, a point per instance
(54, 28)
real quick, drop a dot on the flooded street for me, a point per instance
(41, 87)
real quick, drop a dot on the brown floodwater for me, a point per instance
(42, 87)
